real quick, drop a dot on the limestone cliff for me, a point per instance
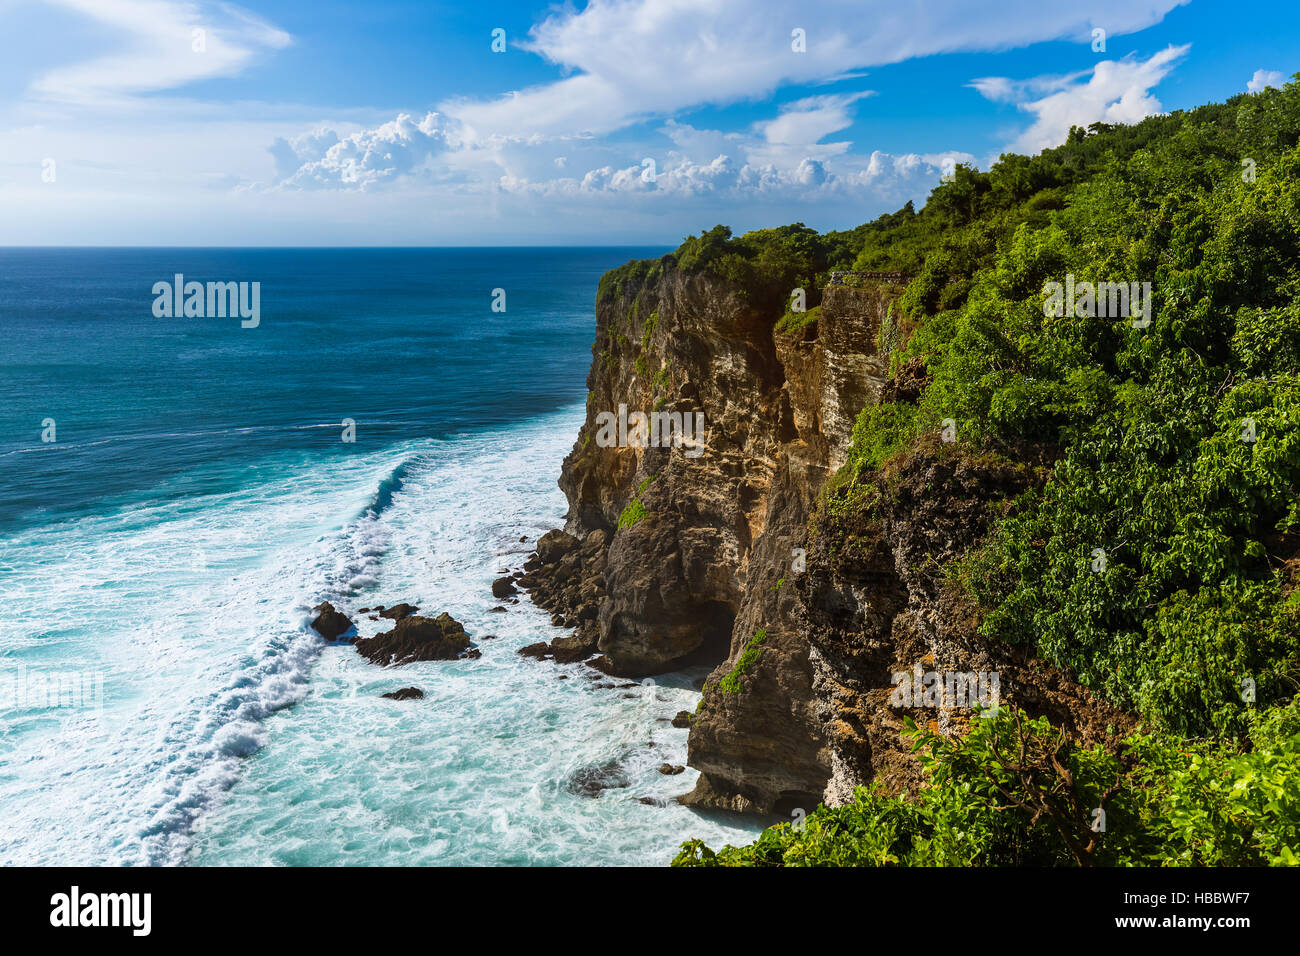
(674, 555)
(703, 560)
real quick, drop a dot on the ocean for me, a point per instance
(180, 492)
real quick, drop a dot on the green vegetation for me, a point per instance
(1014, 792)
(634, 510)
(795, 321)
(1159, 563)
(661, 380)
(651, 323)
(731, 684)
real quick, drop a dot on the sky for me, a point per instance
(401, 122)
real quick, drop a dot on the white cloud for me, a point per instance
(1263, 79)
(633, 59)
(1116, 91)
(809, 120)
(172, 168)
(164, 44)
(401, 147)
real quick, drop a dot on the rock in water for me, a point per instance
(330, 623)
(399, 611)
(406, 693)
(416, 638)
(590, 781)
(503, 587)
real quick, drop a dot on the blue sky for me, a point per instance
(288, 122)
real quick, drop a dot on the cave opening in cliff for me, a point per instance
(716, 621)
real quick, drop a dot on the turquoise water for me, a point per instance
(161, 557)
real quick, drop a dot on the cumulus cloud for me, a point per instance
(1115, 91)
(161, 45)
(322, 158)
(1263, 79)
(881, 179)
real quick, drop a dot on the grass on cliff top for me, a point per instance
(793, 322)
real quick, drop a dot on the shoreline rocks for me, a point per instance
(416, 638)
(406, 693)
(330, 623)
(566, 576)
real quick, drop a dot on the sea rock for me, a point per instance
(682, 720)
(568, 650)
(399, 611)
(671, 770)
(406, 693)
(554, 545)
(591, 781)
(416, 638)
(540, 650)
(503, 587)
(330, 623)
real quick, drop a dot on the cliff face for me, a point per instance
(709, 564)
(697, 554)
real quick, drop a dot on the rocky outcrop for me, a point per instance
(406, 693)
(758, 740)
(876, 604)
(330, 623)
(673, 555)
(695, 544)
(416, 638)
(566, 577)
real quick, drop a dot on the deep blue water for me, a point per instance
(402, 341)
